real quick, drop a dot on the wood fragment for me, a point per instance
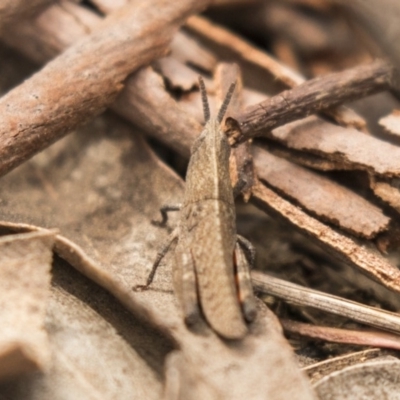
(347, 147)
(348, 250)
(336, 335)
(179, 76)
(310, 97)
(24, 290)
(85, 78)
(391, 122)
(321, 196)
(306, 297)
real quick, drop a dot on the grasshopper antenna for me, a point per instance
(226, 102)
(204, 100)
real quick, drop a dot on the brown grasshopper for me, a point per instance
(211, 271)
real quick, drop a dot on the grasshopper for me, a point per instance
(211, 271)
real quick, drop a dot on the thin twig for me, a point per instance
(305, 297)
(317, 94)
(361, 338)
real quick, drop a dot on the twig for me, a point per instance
(305, 297)
(86, 78)
(361, 338)
(310, 97)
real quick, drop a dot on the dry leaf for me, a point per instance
(368, 381)
(92, 339)
(25, 261)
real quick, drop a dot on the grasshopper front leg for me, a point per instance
(172, 238)
(164, 210)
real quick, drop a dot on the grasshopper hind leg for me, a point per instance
(186, 285)
(243, 279)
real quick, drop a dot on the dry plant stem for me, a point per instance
(310, 97)
(362, 338)
(248, 52)
(346, 249)
(305, 297)
(86, 78)
(279, 71)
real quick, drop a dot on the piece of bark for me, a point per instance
(360, 338)
(179, 76)
(85, 78)
(102, 191)
(99, 350)
(308, 98)
(278, 71)
(299, 157)
(391, 122)
(387, 190)
(345, 249)
(328, 200)
(349, 147)
(146, 103)
(24, 289)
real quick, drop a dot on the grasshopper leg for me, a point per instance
(247, 246)
(186, 285)
(243, 279)
(160, 255)
(164, 210)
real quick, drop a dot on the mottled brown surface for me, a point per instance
(25, 261)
